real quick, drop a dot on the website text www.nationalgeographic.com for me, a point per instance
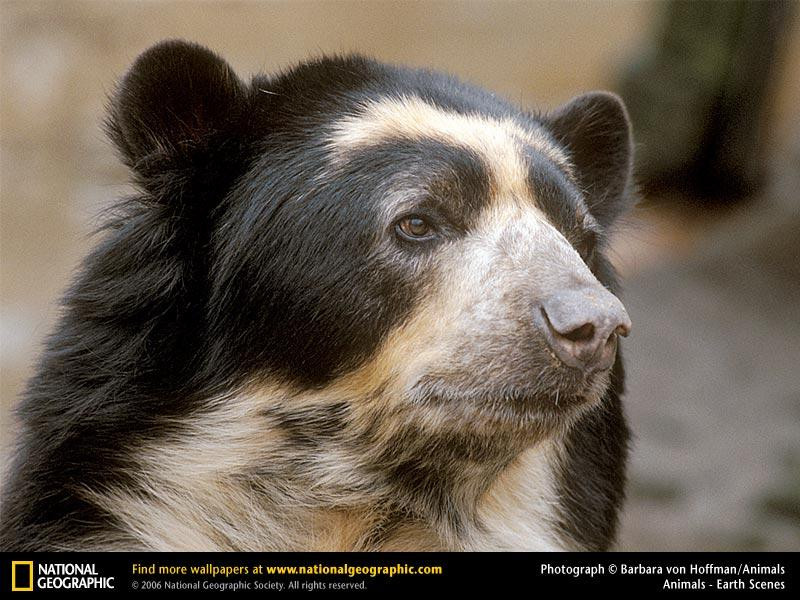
(211, 570)
(244, 577)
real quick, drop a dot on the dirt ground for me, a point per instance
(714, 390)
(714, 384)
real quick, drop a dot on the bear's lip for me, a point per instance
(574, 389)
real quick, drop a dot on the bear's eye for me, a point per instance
(415, 228)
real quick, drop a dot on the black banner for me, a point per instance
(359, 573)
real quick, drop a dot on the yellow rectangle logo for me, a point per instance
(26, 584)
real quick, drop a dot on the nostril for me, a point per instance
(580, 334)
(623, 330)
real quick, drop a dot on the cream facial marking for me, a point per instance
(498, 141)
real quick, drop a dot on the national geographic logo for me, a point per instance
(25, 576)
(21, 575)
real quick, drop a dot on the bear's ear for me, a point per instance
(596, 132)
(178, 103)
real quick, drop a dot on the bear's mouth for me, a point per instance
(553, 397)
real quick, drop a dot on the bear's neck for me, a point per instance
(406, 488)
(245, 475)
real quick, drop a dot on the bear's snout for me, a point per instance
(581, 326)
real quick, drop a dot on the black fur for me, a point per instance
(596, 130)
(241, 256)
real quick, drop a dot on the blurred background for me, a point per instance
(710, 259)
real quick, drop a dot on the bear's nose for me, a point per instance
(581, 327)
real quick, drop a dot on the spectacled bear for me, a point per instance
(352, 306)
